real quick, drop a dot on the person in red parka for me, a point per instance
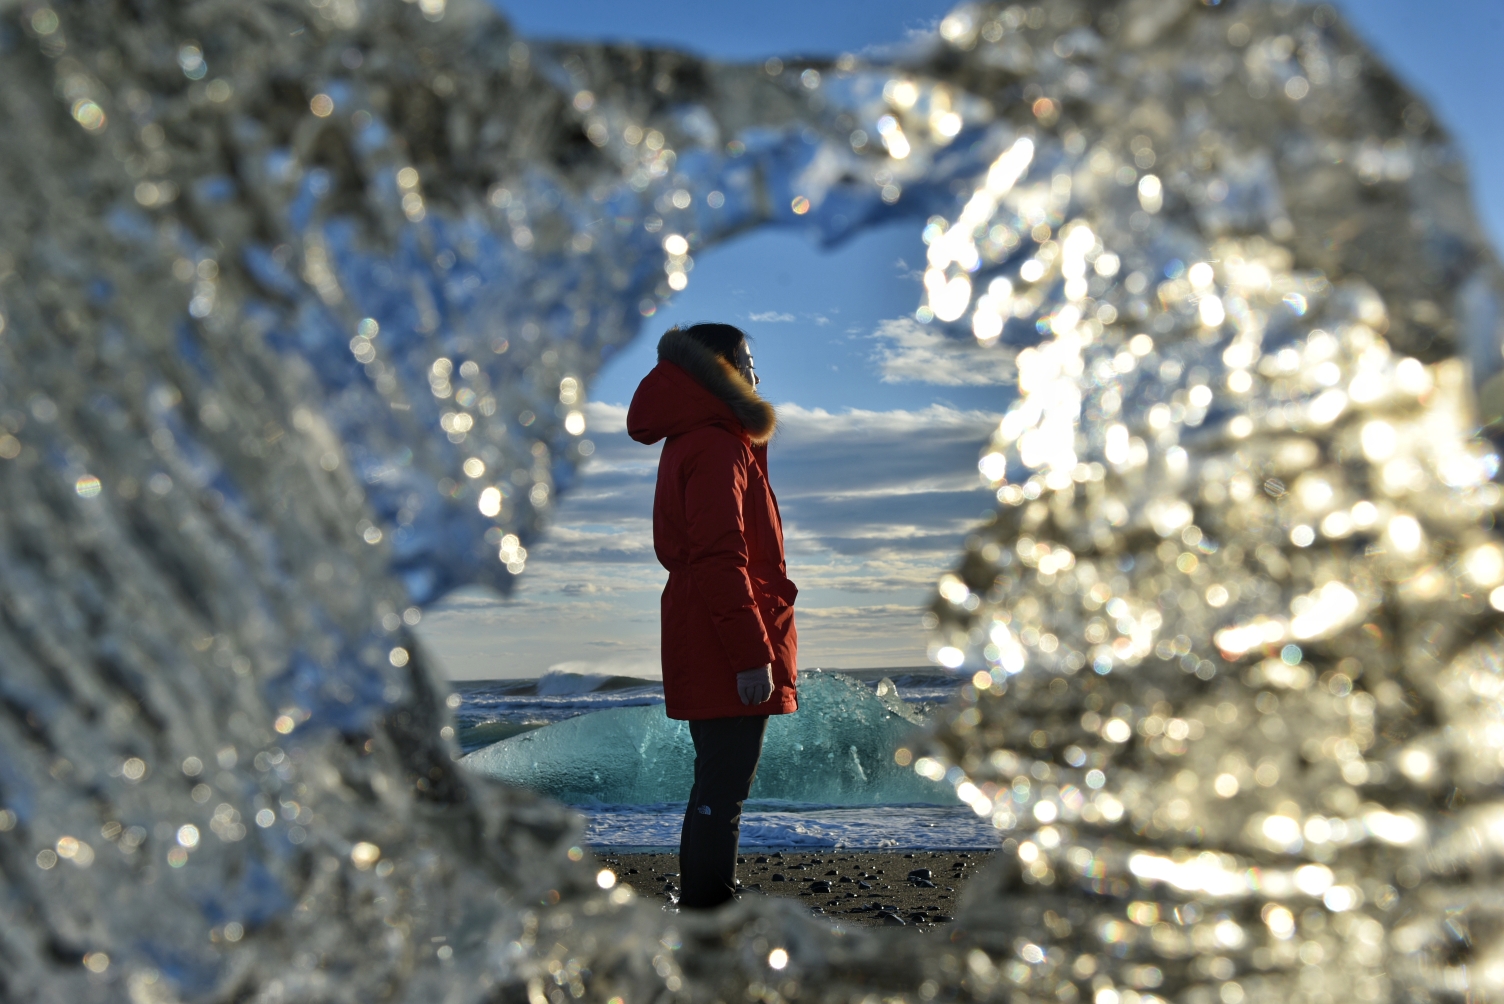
(728, 643)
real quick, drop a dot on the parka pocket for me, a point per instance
(776, 593)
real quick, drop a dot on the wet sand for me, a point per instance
(866, 889)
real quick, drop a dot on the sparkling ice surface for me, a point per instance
(298, 307)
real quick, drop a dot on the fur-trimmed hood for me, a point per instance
(668, 404)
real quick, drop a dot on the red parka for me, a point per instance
(728, 605)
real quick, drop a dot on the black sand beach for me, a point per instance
(869, 889)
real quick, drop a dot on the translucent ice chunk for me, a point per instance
(837, 749)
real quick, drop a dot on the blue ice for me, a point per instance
(837, 749)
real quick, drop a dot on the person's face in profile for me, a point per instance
(744, 364)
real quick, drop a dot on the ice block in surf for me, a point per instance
(837, 749)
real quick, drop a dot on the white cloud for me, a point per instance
(913, 353)
(630, 540)
(859, 636)
(872, 501)
(466, 601)
(605, 419)
(905, 271)
(938, 420)
(771, 317)
(871, 610)
(860, 453)
(875, 506)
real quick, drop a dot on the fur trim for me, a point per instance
(721, 379)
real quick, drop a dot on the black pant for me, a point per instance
(726, 754)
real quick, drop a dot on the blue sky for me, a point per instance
(875, 469)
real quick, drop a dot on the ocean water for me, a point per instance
(602, 744)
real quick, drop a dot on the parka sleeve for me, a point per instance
(715, 481)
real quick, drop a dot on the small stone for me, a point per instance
(778, 877)
(819, 886)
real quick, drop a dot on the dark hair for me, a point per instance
(722, 339)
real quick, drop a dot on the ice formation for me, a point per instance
(837, 749)
(298, 303)
(1235, 626)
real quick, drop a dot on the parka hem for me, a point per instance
(785, 707)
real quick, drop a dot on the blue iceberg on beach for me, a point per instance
(837, 749)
